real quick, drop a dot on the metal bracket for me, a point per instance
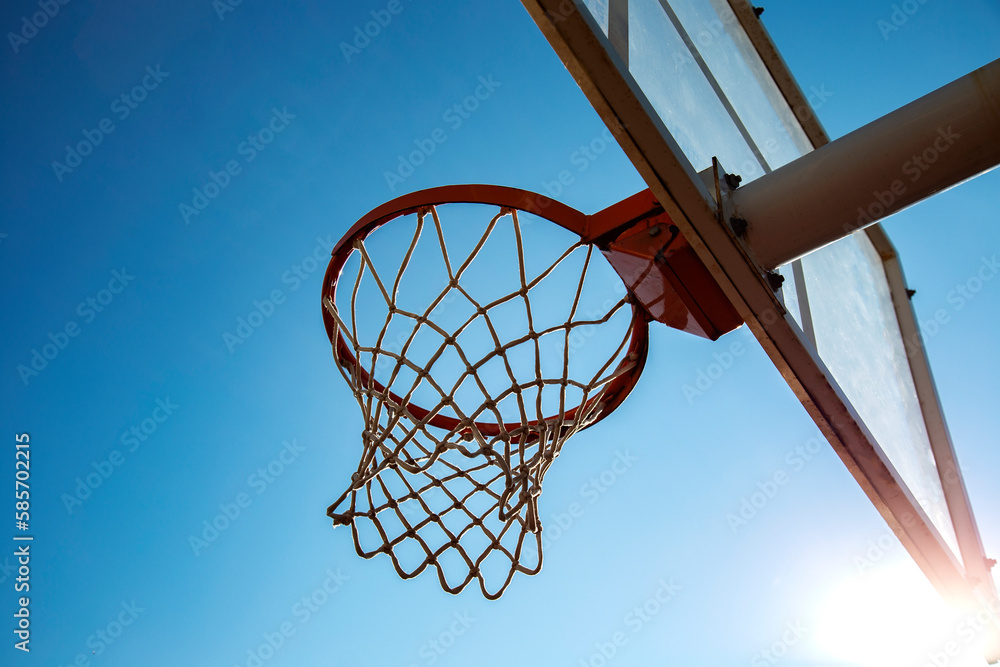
(720, 183)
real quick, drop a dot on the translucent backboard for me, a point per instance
(688, 84)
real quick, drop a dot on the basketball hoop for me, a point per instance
(453, 481)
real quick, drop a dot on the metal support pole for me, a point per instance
(927, 146)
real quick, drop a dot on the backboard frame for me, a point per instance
(956, 495)
(599, 65)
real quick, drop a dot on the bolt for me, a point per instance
(733, 181)
(757, 11)
(775, 279)
(739, 226)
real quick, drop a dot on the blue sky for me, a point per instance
(103, 261)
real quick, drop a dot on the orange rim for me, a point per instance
(628, 370)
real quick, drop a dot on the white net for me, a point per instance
(467, 388)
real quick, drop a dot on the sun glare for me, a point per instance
(892, 616)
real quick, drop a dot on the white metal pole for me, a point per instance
(938, 141)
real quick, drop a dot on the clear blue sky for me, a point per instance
(166, 284)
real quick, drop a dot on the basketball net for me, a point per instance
(452, 485)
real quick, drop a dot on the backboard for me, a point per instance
(689, 85)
